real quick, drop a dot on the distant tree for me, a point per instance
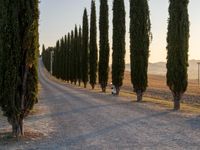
(93, 46)
(65, 58)
(75, 54)
(57, 60)
(62, 59)
(118, 62)
(177, 49)
(85, 49)
(139, 45)
(20, 50)
(68, 57)
(72, 57)
(103, 45)
(46, 54)
(79, 54)
(43, 48)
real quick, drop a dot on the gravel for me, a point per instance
(71, 118)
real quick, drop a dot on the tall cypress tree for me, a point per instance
(177, 49)
(72, 57)
(119, 29)
(62, 67)
(43, 49)
(1, 44)
(20, 52)
(139, 45)
(68, 57)
(79, 54)
(103, 45)
(85, 49)
(75, 54)
(93, 46)
(57, 59)
(65, 57)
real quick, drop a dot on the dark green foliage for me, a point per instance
(103, 45)
(75, 56)
(139, 45)
(46, 57)
(177, 49)
(19, 53)
(72, 57)
(93, 46)
(1, 48)
(62, 59)
(56, 61)
(79, 54)
(85, 49)
(68, 58)
(119, 29)
(65, 58)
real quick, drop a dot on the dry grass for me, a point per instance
(159, 82)
(187, 108)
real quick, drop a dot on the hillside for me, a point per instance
(159, 68)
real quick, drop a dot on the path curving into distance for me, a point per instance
(71, 118)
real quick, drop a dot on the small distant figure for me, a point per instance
(113, 89)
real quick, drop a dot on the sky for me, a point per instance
(58, 17)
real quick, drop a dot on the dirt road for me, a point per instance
(70, 118)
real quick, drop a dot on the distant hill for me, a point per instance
(159, 68)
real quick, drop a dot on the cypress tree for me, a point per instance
(68, 57)
(72, 58)
(55, 62)
(93, 46)
(75, 54)
(177, 49)
(20, 52)
(139, 45)
(79, 56)
(85, 49)
(65, 58)
(103, 45)
(118, 62)
(1, 44)
(43, 48)
(57, 59)
(62, 67)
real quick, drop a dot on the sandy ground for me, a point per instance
(68, 118)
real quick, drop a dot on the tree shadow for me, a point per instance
(194, 123)
(108, 129)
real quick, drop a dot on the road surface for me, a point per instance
(69, 118)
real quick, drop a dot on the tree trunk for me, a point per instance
(103, 87)
(17, 126)
(92, 86)
(139, 96)
(21, 123)
(177, 98)
(117, 90)
(85, 85)
(79, 83)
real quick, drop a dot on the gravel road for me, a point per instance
(70, 118)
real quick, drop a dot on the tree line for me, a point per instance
(76, 57)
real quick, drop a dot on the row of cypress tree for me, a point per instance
(74, 57)
(83, 55)
(19, 49)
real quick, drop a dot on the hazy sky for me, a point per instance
(58, 17)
